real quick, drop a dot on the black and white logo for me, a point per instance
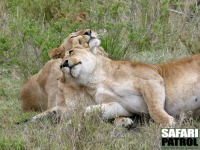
(180, 138)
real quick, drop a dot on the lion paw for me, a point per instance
(35, 119)
(123, 122)
(172, 122)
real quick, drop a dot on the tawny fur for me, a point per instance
(123, 88)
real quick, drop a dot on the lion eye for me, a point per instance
(72, 37)
(70, 52)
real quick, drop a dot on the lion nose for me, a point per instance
(89, 32)
(65, 64)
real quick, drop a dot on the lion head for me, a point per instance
(59, 52)
(81, 58)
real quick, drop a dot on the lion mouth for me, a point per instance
(66, 64)
(91, 38)
(71, 68)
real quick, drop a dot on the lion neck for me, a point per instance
(99, 73)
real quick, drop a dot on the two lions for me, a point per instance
(47, 90)
(39, 92)
(124, 88)
(119, 88)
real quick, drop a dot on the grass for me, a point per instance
(148, 31)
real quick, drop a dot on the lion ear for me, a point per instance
(57, 53)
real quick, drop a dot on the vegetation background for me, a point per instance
(151, 31)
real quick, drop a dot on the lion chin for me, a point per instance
(74, 71)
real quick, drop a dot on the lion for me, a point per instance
(39, 92)
(69, 92)
(124, 88)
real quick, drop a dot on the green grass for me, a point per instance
(148, 31)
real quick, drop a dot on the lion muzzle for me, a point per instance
(66, 64)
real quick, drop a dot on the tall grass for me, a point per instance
(151, 31)
(31, 28)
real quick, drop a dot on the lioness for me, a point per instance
(69, 92)
(39, 92)
(123, 88)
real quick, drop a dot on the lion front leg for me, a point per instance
(56, 114)
(154, 94)
(111, 110)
